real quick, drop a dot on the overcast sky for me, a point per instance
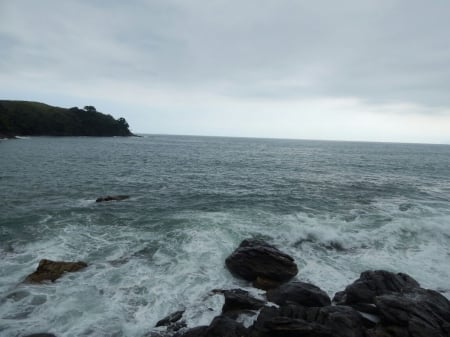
(347, 70)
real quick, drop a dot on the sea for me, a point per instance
(339, 208)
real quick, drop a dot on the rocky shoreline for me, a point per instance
(378, 304)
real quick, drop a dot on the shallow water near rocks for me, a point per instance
(338, 208)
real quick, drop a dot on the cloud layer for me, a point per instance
(187, 66)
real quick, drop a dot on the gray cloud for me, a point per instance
(376, 51)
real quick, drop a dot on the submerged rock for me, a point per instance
(52, 270)
(297, 292)
(112, 198)
(238, 300)
(257, 259)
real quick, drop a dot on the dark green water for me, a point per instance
(338, 207)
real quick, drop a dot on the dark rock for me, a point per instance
(238, 300)
(198, 331)
(297, 320)
(224, 326)
(265, 284)
(292, 327)
(342, 320)
(41, 335)
(170, 319)
(112, 198)
(52, 270)
(298, 292)
(416, 312)
(374, 283)
(255, 258)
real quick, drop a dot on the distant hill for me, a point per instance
(22, 118)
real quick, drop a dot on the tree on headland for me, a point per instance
(90, 108)
(123, 123)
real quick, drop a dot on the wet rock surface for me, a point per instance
(170, 319)
(52, 270)
(374, 283)
(237, 300)
(256, 258)
(297, 320)
(301, 293)
(417, 312)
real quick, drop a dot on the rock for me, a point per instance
(297, 320)
(41, 335)
(170, 319)
(223, 326)
(112, 198)
(298, 292)
(342, 320)
(255, 258)
(374, 283)
(52, 270)
(293, 327)
(198, 331)
(238, 300)
(416, 312)
(265, 284)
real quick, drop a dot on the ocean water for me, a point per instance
(338, 208)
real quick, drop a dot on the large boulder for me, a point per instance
(416, 312)
(374, 283)
(237, 300)
(256, 259)
(52, 270)
(112, 198)
(297, 292)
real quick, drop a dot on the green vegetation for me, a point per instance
(37, 119)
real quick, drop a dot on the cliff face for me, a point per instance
(23, 118)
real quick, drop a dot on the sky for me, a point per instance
(371, 70)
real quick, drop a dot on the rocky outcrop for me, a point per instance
(301, 293)
(256, 259)
(52, 270)
(112, 198)
(378, 304)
